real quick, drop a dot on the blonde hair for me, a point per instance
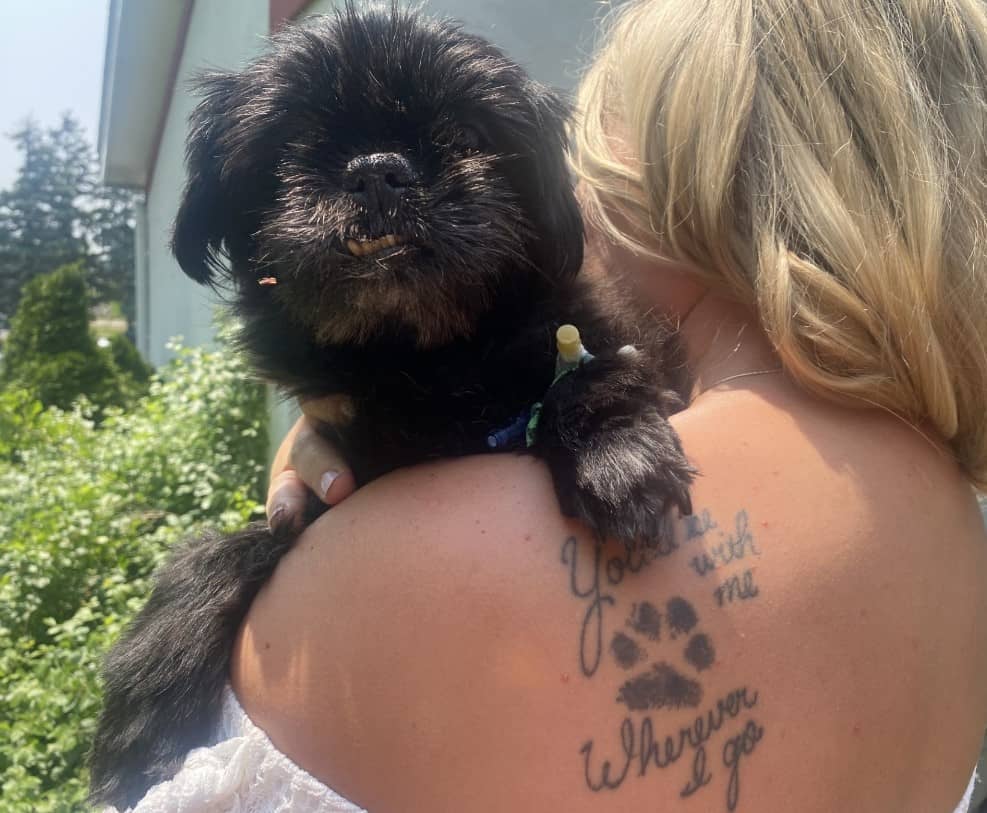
(825, 162)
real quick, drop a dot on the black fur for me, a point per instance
(170, 667)
(365, 124)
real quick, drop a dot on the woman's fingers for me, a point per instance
(305, 462)
(319, 465)
(286, 499)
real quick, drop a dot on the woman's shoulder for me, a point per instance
(807, 639)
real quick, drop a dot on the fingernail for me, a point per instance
(326, 482)
(277, 517)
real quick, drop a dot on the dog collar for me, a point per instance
(571, 354)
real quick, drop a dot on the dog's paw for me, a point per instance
(627, 481)
(616, 461)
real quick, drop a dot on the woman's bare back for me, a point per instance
(808, 639)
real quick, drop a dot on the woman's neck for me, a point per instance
(724, 340)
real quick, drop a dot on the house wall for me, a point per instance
(221, 34)
(552, 40)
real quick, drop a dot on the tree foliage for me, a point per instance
(52, 354)
(86, 512)
(56, 213)
(111, 240)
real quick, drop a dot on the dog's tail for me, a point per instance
(165, 677)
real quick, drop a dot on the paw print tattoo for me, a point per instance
(646, 620)
(626, 651)
(662, 685)
(700, 653)
(682, 617)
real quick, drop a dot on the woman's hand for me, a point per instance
(305, 463)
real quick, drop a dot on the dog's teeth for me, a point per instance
(362, 248)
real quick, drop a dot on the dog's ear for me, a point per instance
(557, 243)
(203, 220)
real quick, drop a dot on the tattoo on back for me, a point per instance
(737, 588)
(626, 651)
(591, 579)
(734, 547)
(660, 647)
(681, 616)
(658, 688)
(646, 620)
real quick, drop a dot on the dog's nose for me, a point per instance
(379, 179)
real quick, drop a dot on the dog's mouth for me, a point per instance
(367, 248)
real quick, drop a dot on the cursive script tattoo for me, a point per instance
(642, 749)
(591, 575)
(733, 750)
(697, 525)
(737, 588)
(734, 548)
(700, 774)
(670, 683)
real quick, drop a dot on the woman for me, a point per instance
(804, 187)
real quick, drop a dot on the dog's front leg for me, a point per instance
(616, 461)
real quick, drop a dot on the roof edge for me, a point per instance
(144, 43)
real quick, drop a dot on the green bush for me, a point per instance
(49, 319)
(128, 360)
(52, 354)
(19, 413)
(86, 512)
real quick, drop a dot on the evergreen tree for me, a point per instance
(56, 213)
(52, 319)
(111, 231)
(50, 351)
(41, 224)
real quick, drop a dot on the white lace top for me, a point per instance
(244, 773)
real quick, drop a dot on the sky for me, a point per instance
(51, 61)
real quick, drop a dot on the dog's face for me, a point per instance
(377, 172)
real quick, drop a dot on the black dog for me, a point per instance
(394, 202)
